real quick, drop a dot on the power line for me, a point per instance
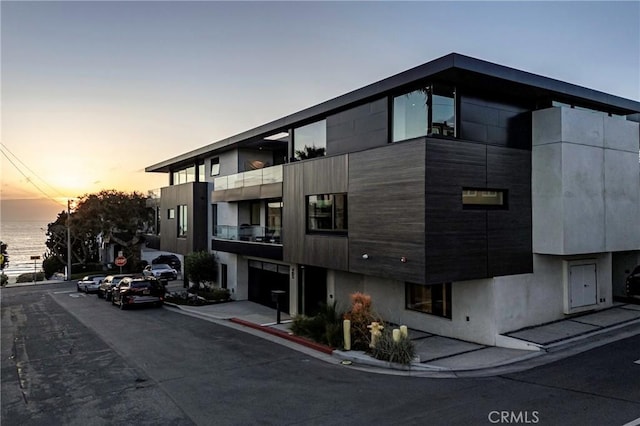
(30, 181)
(32, 172)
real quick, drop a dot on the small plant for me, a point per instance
(30, 277)
(361, 316)
(4, 279)
(325, 327)
(402, 352)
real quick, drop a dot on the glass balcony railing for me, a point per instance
(250, 178)
(249, 233)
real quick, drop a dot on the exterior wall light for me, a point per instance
(403, 259)
(365, 256)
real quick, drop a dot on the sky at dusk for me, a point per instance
(93, 92)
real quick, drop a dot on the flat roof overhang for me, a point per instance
(453, 67)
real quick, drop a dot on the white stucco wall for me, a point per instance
(585, 182)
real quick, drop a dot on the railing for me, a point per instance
(250, 233)
(250, 178)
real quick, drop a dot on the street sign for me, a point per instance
(120, 261)
(35, 257)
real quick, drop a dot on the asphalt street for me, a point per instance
(70, 358)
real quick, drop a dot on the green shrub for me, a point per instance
(4, 279)
(324, 327)
(401, 352)
(214, 293)
(51, 265)
(28, 277)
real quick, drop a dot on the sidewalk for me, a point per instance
(440, 356)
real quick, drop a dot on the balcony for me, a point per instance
(249, 240)
(252, 185)
(249, 233)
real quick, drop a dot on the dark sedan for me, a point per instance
(108, 284)
(138, 291)
(633, 283)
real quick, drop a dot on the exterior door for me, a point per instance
(582, 280)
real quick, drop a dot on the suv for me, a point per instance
(170, 259)
(137, 291)
(160, 271)
(633, 283)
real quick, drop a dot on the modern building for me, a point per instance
(467, 198)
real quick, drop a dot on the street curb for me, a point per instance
(283, 334)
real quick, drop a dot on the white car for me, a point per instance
(90, 283)
(160, 271)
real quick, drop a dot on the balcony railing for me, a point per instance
(250, 178)
(249, 233)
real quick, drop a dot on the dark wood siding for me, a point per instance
(386, 211)
(318, 176)
(494, 122)
(470, 244)
(194, 196)
(509, 231)
(456, 239)
(358, 128)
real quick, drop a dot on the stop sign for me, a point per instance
(120, 261)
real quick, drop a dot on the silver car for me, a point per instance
(90, 283)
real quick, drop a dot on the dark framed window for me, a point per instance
(201, 177)
(484, 198)
(327, 213)
(183, 221)
(310, 141)
(255, 213)
(171, 213)
(214, 219)
(434, 299)
(429, 110)
(215, 166)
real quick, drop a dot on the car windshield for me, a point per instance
(140, 284)
(160, 266)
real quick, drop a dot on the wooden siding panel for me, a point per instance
(386, 211)
(359, 128)
(456, 239)
(509, 231)
(318, 176)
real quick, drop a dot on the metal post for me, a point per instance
(68, 240)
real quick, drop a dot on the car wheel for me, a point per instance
(113, 302)
(122, 305)
(78, 288)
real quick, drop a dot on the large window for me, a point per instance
(327, 213)
(183, 221)
(427, 111)
(310, 141)
(185, 175)
(432, 299)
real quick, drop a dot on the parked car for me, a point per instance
(168, 259)
(137, 291)
(633, 282)
(90, 283)
(104, 291)
(160, 271)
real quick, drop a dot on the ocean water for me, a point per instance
(24, 239)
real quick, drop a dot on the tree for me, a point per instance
(310, 152)
(201, 268)
(4, 257)
(106, 215)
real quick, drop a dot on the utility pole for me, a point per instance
(68, 240)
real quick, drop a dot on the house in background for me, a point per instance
(467, 198)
